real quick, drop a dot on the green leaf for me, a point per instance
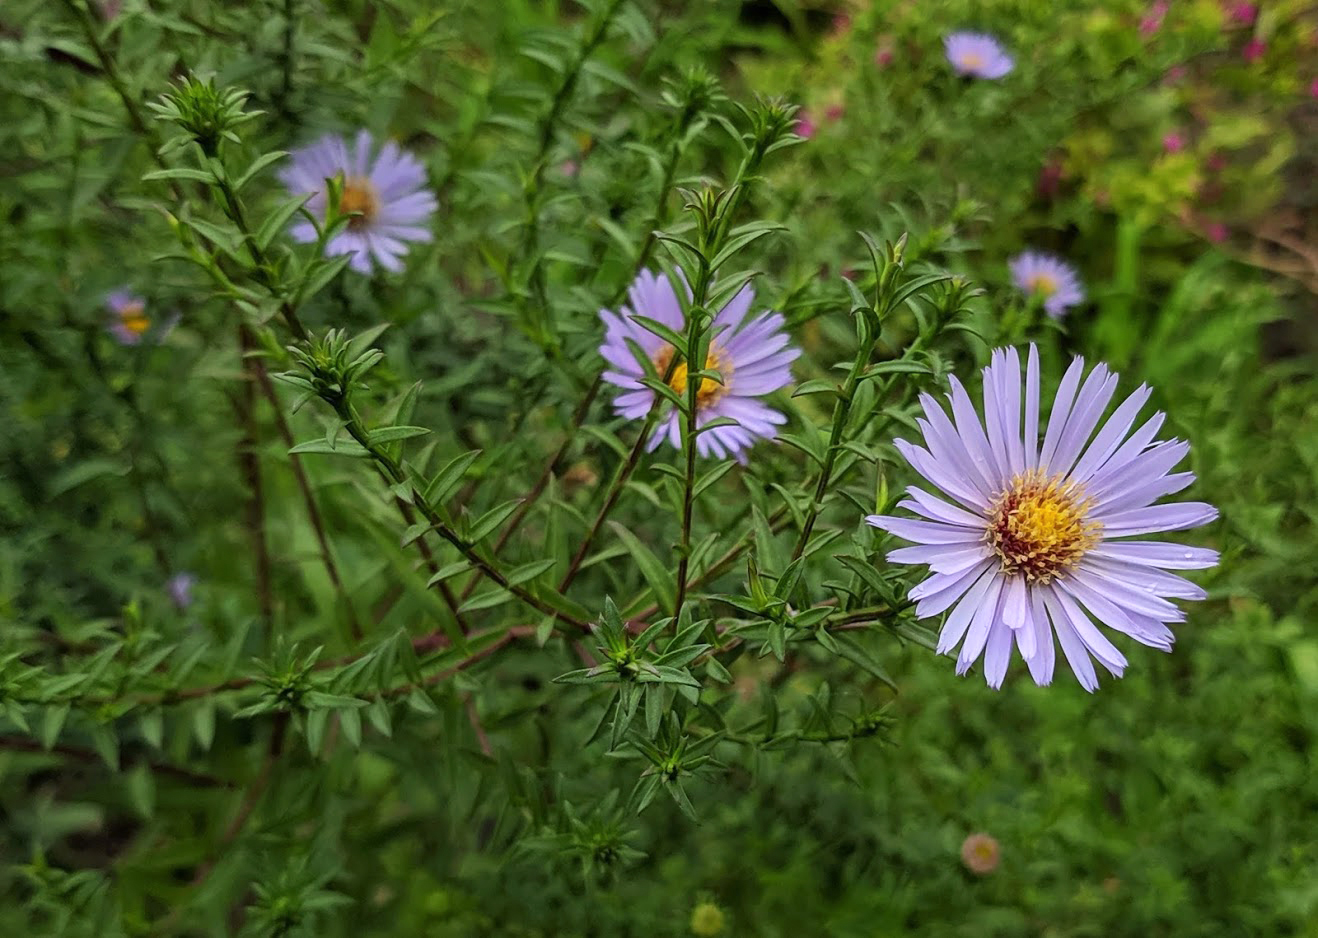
(257, 166)
(817, 386)
(656, 575)
(449, 476)
(492, 519)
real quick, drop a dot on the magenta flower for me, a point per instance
(752, 354)
(1253, 50)
(1173, 142)
(1217, 232)
(977, 55)
(1039, 539)
(1244, 13)
(1152, 21)
(1048, 277)
(385, 190)
(805, 127)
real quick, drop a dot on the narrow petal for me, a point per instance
(957, 623)
(1158, 554)
(1173, 517)
(924, 532)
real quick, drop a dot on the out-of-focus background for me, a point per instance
(1167, 150)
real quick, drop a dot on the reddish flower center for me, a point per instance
(1039, 527)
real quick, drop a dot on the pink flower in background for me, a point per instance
(1174, 75)
(805, 126)
(883, 54)
(1216, 163)
(980, 854)
(1152, 21)
(1253, 50)
(841, 24)
(1217, 232)
(1173, 142)
(1313, 88)
(1050, 179)
(1244, 13)
(834, 112)
(570, 168)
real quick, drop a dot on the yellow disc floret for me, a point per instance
(1039, 528)
(709, 390)
(360, 197)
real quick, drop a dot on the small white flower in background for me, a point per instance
(385, 189)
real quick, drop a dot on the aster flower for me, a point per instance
(386, 190)
(1040, 539)
(1048, 277)
(129, 323)
(977, 55)
(750, 353)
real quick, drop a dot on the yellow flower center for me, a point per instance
(971, 60)
(133, 318)
(1038, 527)
(1043, 284)
(360, 197)
(709, 390)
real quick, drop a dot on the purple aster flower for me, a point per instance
(180, 589)
(1039, 539)
(977, 55)
(129, 322)
(1048, 277)
(387, 191)
(750, 353)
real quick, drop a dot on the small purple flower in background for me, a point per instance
(1217, 232)
(180, 589)
(1175, 75)
(1313, 88)
(1253, 50)
(1173, 142)
(977, 55)
(805, 126)
(388, 193)
(129, 322)
(750, 353)
(1049, 277)
(1041, 532)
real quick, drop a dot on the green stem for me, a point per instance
(395, 476)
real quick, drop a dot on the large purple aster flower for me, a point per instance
(1048, 277)
(977, 55)
(751, 354)
(1040, 538)
(386, 191)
